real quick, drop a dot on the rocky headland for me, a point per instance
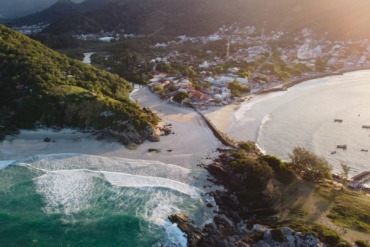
(247, 213)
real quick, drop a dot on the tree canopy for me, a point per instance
(312, 166)
(39, 84)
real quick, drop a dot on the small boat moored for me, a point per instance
(364, 150)
(344, 147)
(338, 120)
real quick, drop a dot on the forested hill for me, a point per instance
(62, 8)
(39, 84)
(341, 19)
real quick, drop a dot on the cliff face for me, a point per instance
(38, 84)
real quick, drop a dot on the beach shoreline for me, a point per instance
(293, 82)
(187, 128)
(222, 116)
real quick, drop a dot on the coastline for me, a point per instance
(296, 81)
(182, 119)
(222, 116)
(190, 144)
(187, 128)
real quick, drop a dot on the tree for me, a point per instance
(344, 174)
(236, 88)
(164, 67)
(320, 64)
(219, 69)
(313, 167)
(248, 146)
(179, 97)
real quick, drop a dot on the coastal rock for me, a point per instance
(151, 134)
(217, 170)
(288, 238)
(193, 233)
(128, 134)
(47, 139)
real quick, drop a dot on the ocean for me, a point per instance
(78, 191)
(304, 116)
(86, 200)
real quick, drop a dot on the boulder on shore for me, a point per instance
(182, 221)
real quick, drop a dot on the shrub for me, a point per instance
(248, 146)
(361, 243)
(278, 235)
(313, 167)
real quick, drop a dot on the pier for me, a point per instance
(224, 139)
(360, 179)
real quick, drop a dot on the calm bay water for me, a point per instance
(304, 116)
(85, 200)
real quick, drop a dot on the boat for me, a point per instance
(338, 120)
(366, 126)
(333, 152)
(344, 147)
(364, 150)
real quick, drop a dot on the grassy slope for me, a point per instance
(323, 204)
(59, 90)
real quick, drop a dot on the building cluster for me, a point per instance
(212, 90)
(31, 29)
(105, 36)
(270, 58)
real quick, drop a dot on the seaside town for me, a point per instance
(233, 62)
(190, 157)
(243, 60)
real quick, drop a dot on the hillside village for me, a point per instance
(219, 68)
(251, 61)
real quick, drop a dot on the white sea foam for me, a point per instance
(146, 168)
(175, 237)
(135, 181)
(241, 113)
(75, 183)
(65, 192)
(67, 187)
(265, 120)
(5, 163)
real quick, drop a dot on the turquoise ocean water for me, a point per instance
(85, 200)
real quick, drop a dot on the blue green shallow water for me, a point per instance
(80, 200)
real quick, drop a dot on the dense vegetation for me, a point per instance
(310, 165)
(299, 194)
(38, 84)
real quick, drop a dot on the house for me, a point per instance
(359, 179)
(197, 96)
(234, 70)
(19, 86)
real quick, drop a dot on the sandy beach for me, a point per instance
(223, 116)
(188, 127)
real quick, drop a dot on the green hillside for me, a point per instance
(39, 84)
